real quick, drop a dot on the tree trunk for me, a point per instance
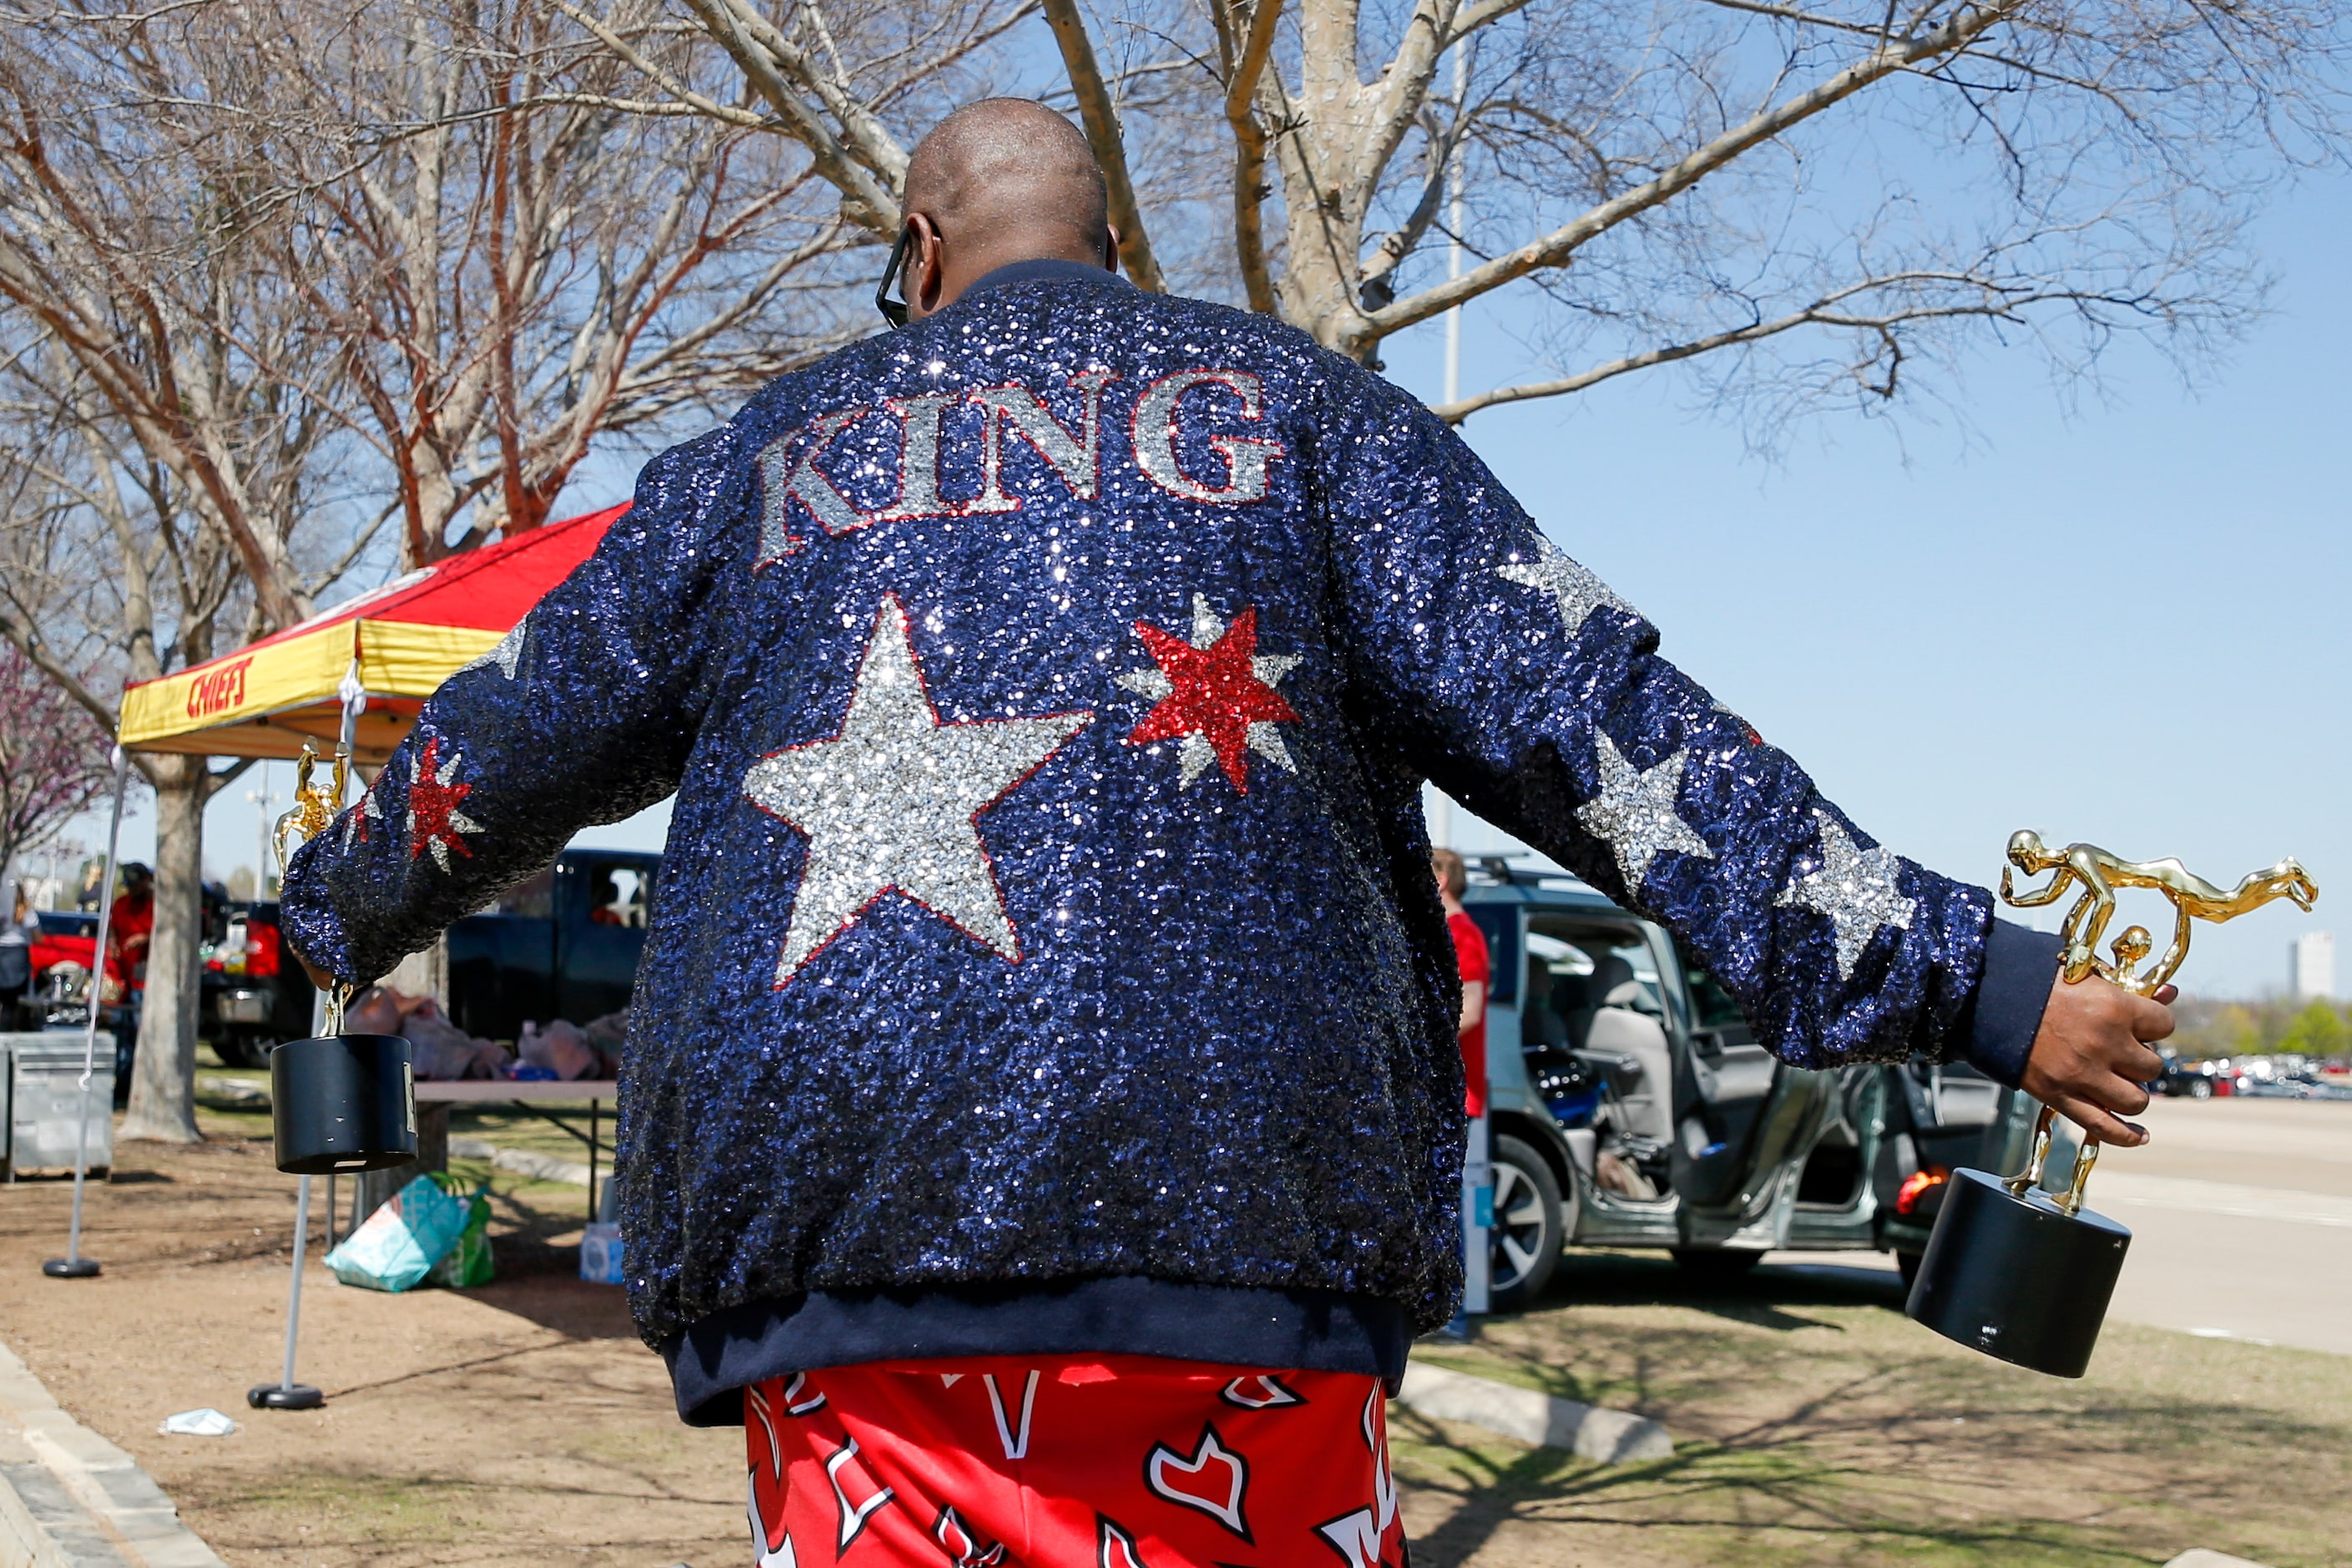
(163, 1077)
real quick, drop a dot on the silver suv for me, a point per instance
(1632, 1106)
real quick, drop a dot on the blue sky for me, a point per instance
(2121, 619)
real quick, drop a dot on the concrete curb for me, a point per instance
(69, 1499)
(2206, 1557)
(1588, 1431)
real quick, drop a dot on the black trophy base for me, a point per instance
(284, 1396)
(2019, 1278)
(70, 1268)
(343, 1103)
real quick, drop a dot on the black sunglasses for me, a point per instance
(893, 311)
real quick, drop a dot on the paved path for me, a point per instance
(2240, 1212)
(69, 1499)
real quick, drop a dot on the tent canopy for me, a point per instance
(407, 636)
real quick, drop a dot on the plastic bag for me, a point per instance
(560, 1048)
(466, 1264)
(203, 1423)
(440, 1049)
(608, 1034)
(399, 1243)
(378, 1010)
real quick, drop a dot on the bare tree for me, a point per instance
(1803, 203)
(53, 757)
(517, 259)
(261, 257)
(169, 471)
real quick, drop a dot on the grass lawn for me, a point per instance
(1813, 1424)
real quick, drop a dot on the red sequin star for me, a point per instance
(435, 822)
(1217, 688)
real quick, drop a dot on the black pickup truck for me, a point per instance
(563, 944)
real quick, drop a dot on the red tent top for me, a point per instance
(407, 636)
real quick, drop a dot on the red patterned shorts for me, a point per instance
(1058, 1462)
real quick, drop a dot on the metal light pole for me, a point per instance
(259, 795)
(1440, 806)
(1454, 222)
(1477, 1172)
(73, 1265)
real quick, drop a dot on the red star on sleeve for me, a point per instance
(1216, 694)
(435, 822)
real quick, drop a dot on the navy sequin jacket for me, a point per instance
(1047, 689)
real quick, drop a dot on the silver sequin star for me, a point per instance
(1578, 592)
(1636, 813)
(890, 805)
(506, 654)
(1855, 887)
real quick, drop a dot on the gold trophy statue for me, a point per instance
(2011, 1270)
(338, 1102)
(315, 805)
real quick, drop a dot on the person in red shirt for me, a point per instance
(132, 927)
(1470, 957)
(130, 932)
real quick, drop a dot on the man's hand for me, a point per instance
(2091, 1056)
(320, 978)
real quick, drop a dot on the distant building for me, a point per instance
(2311, 965)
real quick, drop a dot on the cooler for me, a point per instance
(41, 1103)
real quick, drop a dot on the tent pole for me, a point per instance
(73, 1265)
(285, 1393)
(294, 1306)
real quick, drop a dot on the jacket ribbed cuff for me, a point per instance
(2018, 967)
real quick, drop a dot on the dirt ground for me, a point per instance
(521, 1423)
(524, 1423)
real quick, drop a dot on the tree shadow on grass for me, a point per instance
(1882, 1454)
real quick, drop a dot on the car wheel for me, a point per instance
(236, 1049)
(2201, 1089)
(1908, 1264)
(1716, 1262)
(1524, 1246)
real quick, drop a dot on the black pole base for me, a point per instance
(70, 1268)
(284, 1396)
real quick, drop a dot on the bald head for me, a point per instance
(1004, 180)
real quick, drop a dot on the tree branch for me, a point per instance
(1470, 18)
(1100, 117)
(28, 640)
(1554, 248)
(1824, 312)
(863, 200)
(1249, 154)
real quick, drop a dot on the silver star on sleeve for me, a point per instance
(1577, 591)
(1855, 887)
(1635, 812)
(507, 654)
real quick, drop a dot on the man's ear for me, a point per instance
(1110, 248)
(927, 268)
